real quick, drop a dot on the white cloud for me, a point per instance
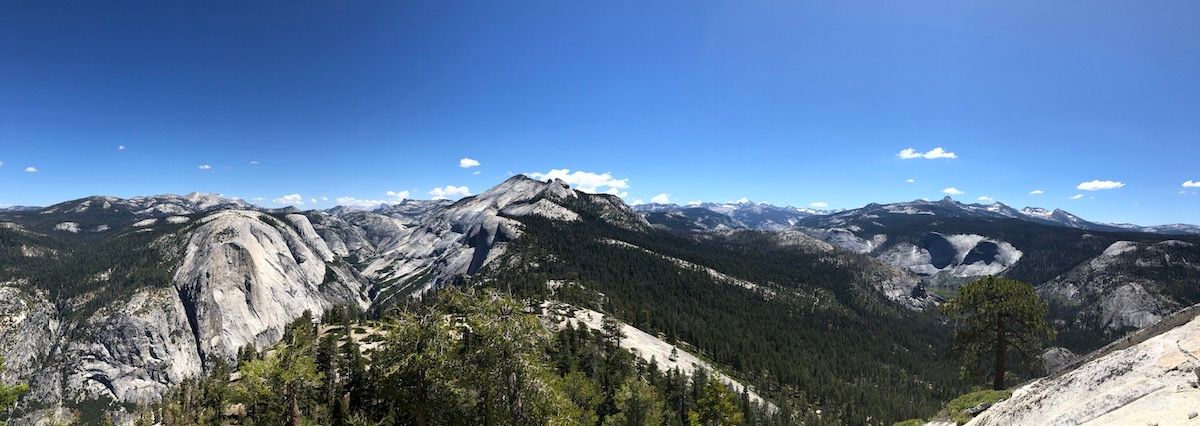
(254, 162)
(695, 202)
(953, 191)
(120, 147)
(742, 200)
(289, 199)
(818, 204)
(205, 167)
(933, 154)
(1096, 185)
(1076, 196)
(467, 163)
(663, 198)
(449, 191)
(394, 197)
(476, 172)
(985, 198)
(312, 200)
(587, 181)
(1188, 184)
(259, 199)
(638, 201)
(359, 203)
(1037, 192)
(31, 169)
(324, 198)
(909, 180)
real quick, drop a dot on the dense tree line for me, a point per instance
(467, 358)
(824, 341)
(103, 269)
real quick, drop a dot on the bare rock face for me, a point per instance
(247, 275)
(242, 277)
(29, 323)
(467, 235)
(134, 350)
(1151, 382)
(1128, 285)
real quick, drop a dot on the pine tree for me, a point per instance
(715, 406)
(1000, 317)
(637, 404)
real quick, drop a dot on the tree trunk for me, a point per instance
(1001, 354)
(422, 402)
(187, 416)
(295, 408)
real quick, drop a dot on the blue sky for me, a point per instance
(784, 102)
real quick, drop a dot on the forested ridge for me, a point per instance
(822, 340)
(470, 357)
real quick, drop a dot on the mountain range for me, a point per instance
(762, 216)
(109, 302)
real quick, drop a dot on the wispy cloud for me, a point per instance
(254, 162)
(663, 198)
(290, 199)
(985, 198)
(120, 147)
(450, 191)
(31, 169)
(394, 197)
(1076, 196)
(358, 202)
(205, 167)
(910, 180)
(1096, 185)
(953, 191)
(818, 204)
(1037, 192)
(587, 181)
(467, 163)
(933, 154)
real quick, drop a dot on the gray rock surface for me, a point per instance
(1153, 381)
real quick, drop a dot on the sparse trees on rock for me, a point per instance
(9, 394)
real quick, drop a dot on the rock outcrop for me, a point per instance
(1151, 379)
(1129, 285)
